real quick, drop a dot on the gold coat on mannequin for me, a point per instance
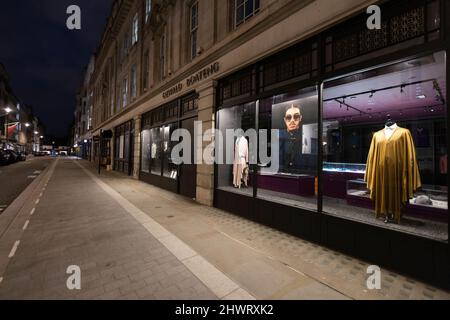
(392, 173)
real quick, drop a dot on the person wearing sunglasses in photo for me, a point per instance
(291, 140)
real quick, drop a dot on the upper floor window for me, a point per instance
(245, 9)
(135, 30)
(162, 57)
(146, 65)
(133, 82)
(124, 92)
(194, 29)
(148, 9)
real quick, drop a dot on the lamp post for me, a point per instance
(8, 110)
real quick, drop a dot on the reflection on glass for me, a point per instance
(234, 175)
(295, 116)
(385, 147)
(145, 150)
(155, 151)
(170, 170)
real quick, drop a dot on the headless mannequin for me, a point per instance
(389, 130)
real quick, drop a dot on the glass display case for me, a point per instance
(358, 188)
(432, 197)
(344, 167)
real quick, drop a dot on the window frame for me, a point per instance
(193, 29)
(135, 30)
(148, 10)
(246, 16)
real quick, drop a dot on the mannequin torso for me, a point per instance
(389, 130)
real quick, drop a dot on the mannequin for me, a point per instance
(390, 127)
(392, 173)
(240, 164)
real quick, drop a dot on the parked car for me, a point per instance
(12, 156)
(4, 157)
(21, 156)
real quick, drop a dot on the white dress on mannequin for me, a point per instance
(240, 162)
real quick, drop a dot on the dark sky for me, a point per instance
(44, 59)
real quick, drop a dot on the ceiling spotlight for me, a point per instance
(371, 94)
(432, 109)
(421, 97)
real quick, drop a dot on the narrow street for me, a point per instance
(135, 241)
(16, 177)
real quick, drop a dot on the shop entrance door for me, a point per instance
(188, 172)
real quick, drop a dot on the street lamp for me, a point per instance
(27, 124)
(8, 110)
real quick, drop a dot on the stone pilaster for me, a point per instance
(205, 172)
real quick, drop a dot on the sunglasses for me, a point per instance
(296, 117)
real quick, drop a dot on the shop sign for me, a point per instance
(192, 80)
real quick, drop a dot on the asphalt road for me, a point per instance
(16, 177)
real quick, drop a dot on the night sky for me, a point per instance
(45, 60)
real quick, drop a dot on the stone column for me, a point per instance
(205, 172)
(137, 146)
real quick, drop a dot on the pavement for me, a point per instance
(131, 240)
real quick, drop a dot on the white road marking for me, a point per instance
(32, 177)
(37, 201)
(40, 195)
(26, 224)
(37, 172)
(32, 211)
(14, 248)
(1, 280)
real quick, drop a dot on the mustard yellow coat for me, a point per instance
(392, 173)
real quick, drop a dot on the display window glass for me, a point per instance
(294, 115)
(155, 151)
(145, 151)
(170, 170)
(385, 147)
(234, 175)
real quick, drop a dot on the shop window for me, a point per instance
(234, 172)
(293, 181)
(145, 151)
(170, 170)
(121, 146)
(155, 151)
(385, 147)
